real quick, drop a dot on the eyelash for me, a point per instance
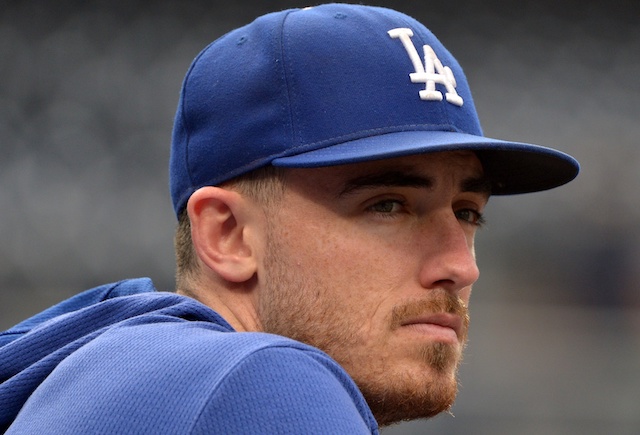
(478, 219)
(401, 204)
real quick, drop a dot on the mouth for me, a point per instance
(439, 327)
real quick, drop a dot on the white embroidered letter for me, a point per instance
(429, 73)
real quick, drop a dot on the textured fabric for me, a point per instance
(124, 358)
(336, 84)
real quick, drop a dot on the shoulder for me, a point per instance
(285, 387)
(191, 376)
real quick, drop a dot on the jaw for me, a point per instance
(420, 385)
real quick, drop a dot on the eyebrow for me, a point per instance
(391, 178)
(477, 185)
(396, 178)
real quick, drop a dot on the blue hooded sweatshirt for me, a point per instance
(125, 358)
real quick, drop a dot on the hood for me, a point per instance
(31, 350)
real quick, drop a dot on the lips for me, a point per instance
(429, 322)
(441, 317)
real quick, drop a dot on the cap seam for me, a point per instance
(254, 164)
(288, 104)
(186, 127)
(364, 134)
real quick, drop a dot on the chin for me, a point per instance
(413, 391)
(412, 403)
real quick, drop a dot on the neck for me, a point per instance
(235, 303)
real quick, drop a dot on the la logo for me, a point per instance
(431, 72)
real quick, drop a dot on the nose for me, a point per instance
(449, 260)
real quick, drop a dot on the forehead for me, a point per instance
(459, 165)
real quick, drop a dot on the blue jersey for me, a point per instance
(125, 358)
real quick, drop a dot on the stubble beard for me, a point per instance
(296, 306)
(407, 396)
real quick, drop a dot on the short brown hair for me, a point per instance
(265, 185)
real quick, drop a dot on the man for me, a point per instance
(329, 174)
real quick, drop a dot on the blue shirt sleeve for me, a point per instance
(280, 390)
(158, 374)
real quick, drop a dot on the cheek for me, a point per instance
(322, 245)
(346, 267)
(360, 267)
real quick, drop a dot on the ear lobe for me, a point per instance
(219, 233)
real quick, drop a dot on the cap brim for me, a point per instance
(512, 167)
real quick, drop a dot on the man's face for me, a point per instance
(373, 263)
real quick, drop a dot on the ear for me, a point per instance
(220, 221)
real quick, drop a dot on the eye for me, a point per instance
(387, 206)
(470, 216)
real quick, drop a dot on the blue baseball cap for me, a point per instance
(330, 85)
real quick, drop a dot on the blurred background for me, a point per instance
(88, 91)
